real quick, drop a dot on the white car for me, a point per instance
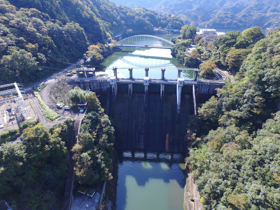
(1, 126)
(67, 108)
(59, 106)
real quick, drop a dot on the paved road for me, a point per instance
(45, 95)
(37, 108)
(42, 118)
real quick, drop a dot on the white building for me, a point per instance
(209, 34)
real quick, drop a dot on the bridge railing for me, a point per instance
(141, 80)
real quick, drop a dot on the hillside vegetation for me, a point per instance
(40, 37)
(96, 141)
(226, 51)
(33, 172)
(230, 50)
(222, 14)
(236, 165)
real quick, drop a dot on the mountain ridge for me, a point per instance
(221, 14)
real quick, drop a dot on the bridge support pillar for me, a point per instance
(179, 73)
(162, 86)
(147, 72)
(115, 72)
(195, 75)
(130, 90)
(113, 83)
(130, 73)
(180, 84)
(146, 84)
(162, 74)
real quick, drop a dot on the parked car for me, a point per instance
(59, 106)
(67, 108)
(82, 110)
(1, 126)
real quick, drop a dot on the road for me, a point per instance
(36, 84)
(45, 95)
(37, 108)
(225, 74)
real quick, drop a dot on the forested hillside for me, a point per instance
(33, 172)
(222, 14)
(237, 165)
(229, 51)
(39, 37)
(93, 151)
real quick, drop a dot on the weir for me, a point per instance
(137, 155)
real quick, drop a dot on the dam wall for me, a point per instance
(146, 116)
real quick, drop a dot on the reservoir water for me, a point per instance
(139, 58)
(149, 180)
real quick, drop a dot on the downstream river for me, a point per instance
(147, 180)
(150, 184)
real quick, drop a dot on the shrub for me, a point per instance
(8, 135)
(48, 113)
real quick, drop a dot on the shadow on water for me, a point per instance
(150, 181)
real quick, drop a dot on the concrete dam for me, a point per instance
(148, 114)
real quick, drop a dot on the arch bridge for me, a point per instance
(145, 41)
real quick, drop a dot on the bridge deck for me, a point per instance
(151, 81)
(143, 46)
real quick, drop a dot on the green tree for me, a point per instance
(235, 58)
(31, 167)
(93, 152)
(206, 68)
(252, 35)
(76, 95)
(22, 63)
(188, 32)
(236, 164)
(178, 50)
